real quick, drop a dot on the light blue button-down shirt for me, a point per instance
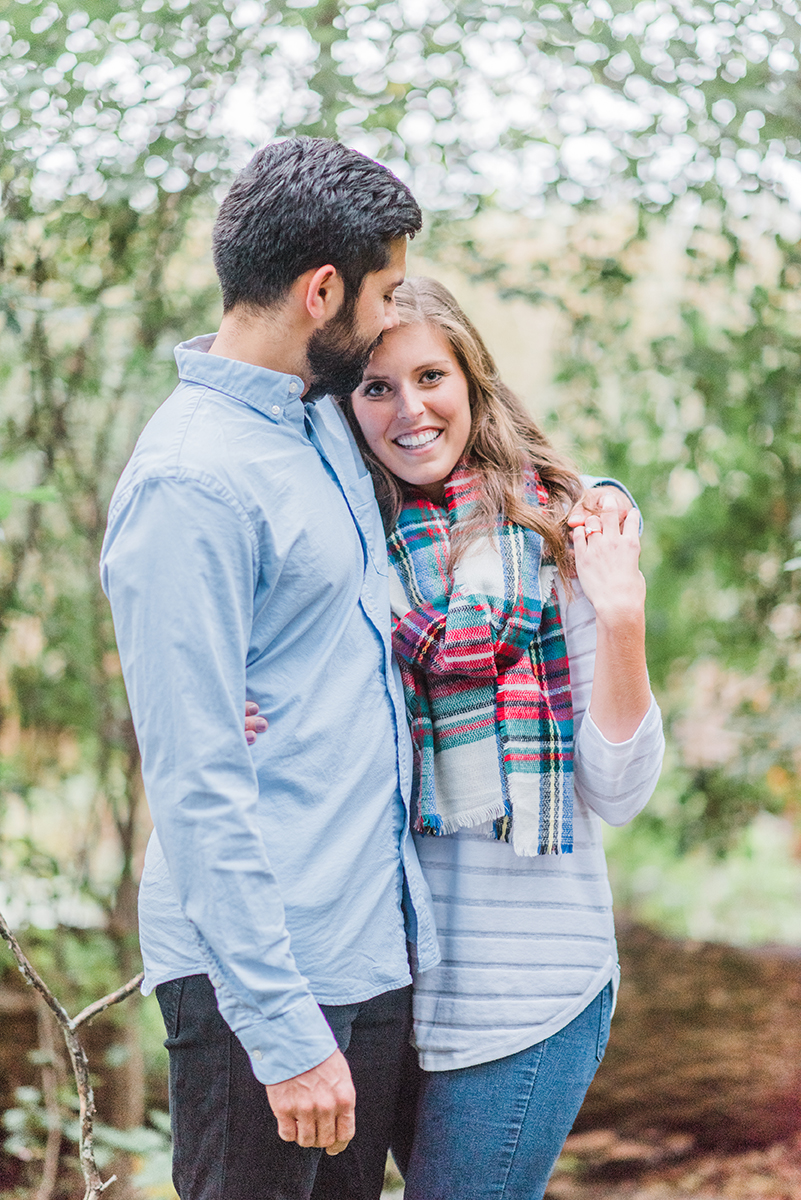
(245, 559)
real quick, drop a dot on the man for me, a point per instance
(245, 561)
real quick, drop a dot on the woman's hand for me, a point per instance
(254, 724)
(607, 554)
(607, 564)
(593, 501)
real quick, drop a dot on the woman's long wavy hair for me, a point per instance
(503, 437)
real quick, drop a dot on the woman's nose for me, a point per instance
(410, 405)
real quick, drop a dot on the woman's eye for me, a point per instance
(432, 376)
(375, 391)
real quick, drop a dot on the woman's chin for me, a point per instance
(415, 473)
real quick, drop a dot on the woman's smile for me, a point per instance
(413, 407)
(418, 440)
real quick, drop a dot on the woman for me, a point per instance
(520, 679)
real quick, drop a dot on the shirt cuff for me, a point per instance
(617, 779)
(281, 1047)
(610, 761)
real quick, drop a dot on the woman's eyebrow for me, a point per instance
(435, 362)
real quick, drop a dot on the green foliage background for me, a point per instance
(560, 151)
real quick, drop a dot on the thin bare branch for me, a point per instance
(80, 1065)
(99, 1006)
(32, 976)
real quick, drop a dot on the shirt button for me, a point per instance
(275, 409)
(257, 1055)
(293, 387)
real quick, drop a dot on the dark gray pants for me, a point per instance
(225, 1137)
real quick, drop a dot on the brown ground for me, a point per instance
(600, 1165)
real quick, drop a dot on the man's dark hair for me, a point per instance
(300, 204)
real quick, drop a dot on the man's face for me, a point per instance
(339, 351)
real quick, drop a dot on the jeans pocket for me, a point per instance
(169, 998)
(604, 1021)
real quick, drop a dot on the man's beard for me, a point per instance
(337, 357)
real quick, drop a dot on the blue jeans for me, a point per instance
(225, 1137)
(495, 1130)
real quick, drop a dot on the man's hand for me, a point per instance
(592, 502)
(316, 1108)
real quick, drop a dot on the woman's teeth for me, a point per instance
(411, 440)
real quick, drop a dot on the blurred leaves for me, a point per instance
(40, 495)
(122, 124)
(472, 102)
(632, 167)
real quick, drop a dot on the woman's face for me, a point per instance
(413, 406)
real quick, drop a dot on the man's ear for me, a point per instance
(324, 293)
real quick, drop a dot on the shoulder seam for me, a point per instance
(201, 479)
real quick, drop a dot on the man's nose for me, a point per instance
(391, 318)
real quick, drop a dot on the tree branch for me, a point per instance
(33, 977)
(99, 1006)
(80, 1066)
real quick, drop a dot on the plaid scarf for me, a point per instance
(485, 673)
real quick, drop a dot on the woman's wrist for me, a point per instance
(622, 615)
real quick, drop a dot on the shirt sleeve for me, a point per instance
(180, 566)
(615, 779)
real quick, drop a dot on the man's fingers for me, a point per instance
(321, 1129)
(287, 1128)
(346, 1125)
(316, 1108)
(326, 1128)
(345, 1130)
(307, 1132)
(577, 515)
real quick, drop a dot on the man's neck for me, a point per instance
(264, 339)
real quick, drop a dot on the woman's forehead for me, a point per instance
(412, 341)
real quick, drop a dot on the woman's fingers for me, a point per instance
(587, 509)
(609, 516)
(607, 523)
(631, 525)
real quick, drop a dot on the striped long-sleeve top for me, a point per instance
(527, 943)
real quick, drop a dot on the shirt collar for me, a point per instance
(270, 392)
